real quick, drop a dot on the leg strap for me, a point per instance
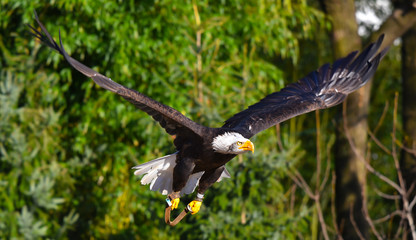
(192, 207)
(178, 218)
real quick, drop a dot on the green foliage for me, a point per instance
(67, 146)
(30, 151)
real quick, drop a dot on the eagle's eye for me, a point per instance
(239, 143)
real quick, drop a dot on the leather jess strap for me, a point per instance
(177, 219)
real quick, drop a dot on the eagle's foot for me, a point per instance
(194, 206)
(173, 200)
(175, 203)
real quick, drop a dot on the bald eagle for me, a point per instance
(202, 152)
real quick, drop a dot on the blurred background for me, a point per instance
(67, 146)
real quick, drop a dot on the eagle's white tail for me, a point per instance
(159, 173)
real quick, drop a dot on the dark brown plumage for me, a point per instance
(323, 88)
(203, 151)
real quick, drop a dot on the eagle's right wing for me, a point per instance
(174, 122)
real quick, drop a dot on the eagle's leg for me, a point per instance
(206, 181)
(181, 173)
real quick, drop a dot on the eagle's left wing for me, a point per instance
(323, 88)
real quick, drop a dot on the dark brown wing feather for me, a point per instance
(323, 88)
(170, 119)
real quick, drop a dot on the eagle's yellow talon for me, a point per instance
(194, 206)
(175, 203)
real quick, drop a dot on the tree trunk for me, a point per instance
(408, 160)
(350, 171)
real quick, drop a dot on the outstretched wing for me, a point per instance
(323, 88)
(170, 119)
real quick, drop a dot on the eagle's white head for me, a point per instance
(232, 143)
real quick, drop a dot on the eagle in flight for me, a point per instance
(202, 152)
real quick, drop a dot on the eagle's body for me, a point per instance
(202, 152)
(196, 157)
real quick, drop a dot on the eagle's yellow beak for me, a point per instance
(247, 146)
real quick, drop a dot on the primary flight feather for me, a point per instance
(202, 152)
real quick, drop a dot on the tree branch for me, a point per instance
(395, 26)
